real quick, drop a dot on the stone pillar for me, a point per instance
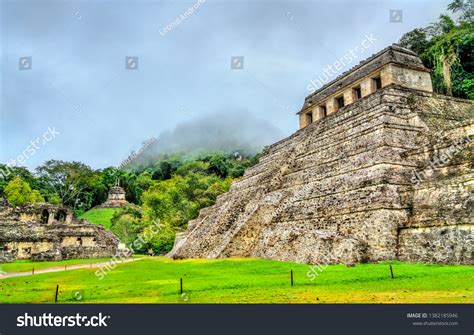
(302, 120)
(386, 75)
(51, 216)
(348, 96)
(331, 106)
(366, 87)
(320, 112)
(315, 114)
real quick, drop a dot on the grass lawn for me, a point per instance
(28, 265)
(101, 216)
(156, 280)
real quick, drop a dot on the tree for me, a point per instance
(54, 199)
(219, 165)
(442, 26)
(76, 183)
(464, 7)
(415, 40)
(8, 173)
(446, 48)
(18, 192)
(126, 225)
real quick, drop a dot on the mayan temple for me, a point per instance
(45, 232)
(115, 198)
(381, 168)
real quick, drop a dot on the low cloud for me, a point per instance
(228, 132)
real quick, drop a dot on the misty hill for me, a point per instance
(229, 133)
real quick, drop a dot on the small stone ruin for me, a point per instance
(45, 232)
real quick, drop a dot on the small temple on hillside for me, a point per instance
(116, 198)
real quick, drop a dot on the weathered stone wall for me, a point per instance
(22, 236)
(412, 78)
(343, 189)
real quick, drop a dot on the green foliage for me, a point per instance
(77, 184)
(464, 7)
(8, 173)
(219, 165)
(54, 198)
(468, 87)
(162, 242)
(193, 167)
(156, 280)
(415, 40)
(446, 47)
(126, 228)
(18, 192)
(126, 224)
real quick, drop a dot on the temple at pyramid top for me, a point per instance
(392, 65)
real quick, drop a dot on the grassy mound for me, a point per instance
(101, 216)
(157, 280)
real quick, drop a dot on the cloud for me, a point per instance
(227, 131)
(78, 50)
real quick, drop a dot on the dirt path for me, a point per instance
(4, 275)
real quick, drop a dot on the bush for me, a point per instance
(18, 192)
(162, 243)
(126, 225)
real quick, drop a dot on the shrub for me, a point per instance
(18, 192)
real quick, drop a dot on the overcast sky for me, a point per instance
(78, 86)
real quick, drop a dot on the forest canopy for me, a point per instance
(447, 48)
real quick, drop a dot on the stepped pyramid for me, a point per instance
(381, 169)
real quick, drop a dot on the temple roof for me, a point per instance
(394, 54)
(116, 190)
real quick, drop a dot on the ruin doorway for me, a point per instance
(322, 112)
(357, 93)
(376, 83)
(45, 216)
(339, 102)
(60, 216)
(309, 118)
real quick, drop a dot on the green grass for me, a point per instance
(156, 280)
(101, 216)
(27, 265)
